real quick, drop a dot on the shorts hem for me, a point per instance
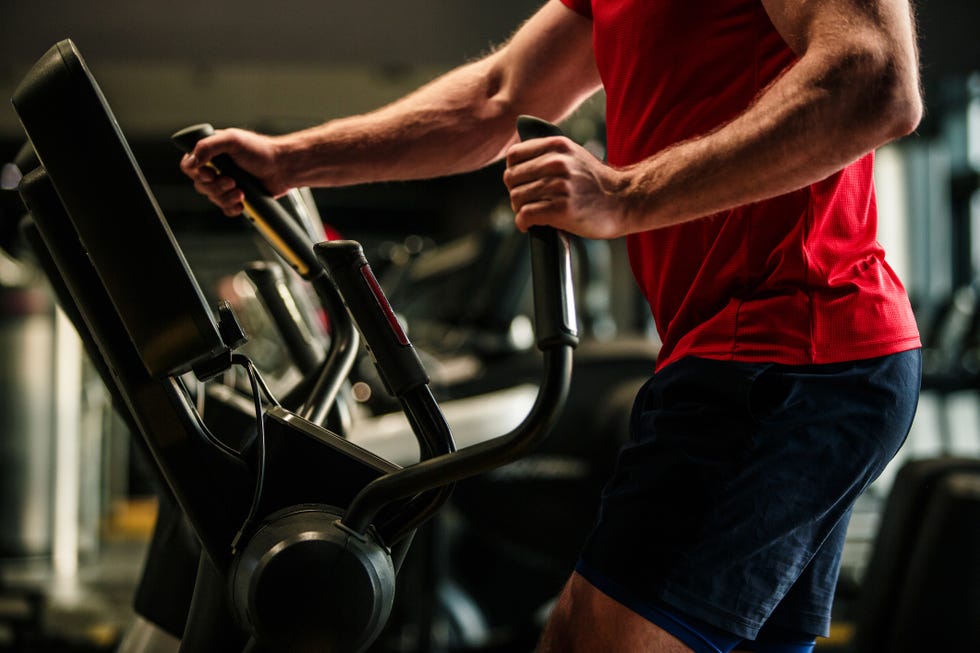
(610, 587)
(737, 625)
(681, 601)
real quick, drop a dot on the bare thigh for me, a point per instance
(587, 621)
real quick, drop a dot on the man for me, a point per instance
(739, 172)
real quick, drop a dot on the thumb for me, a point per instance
(209, 147)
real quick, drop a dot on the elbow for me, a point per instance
(496, 110)
(906, 119)
(876, 93)
(902, 107)
(891, 85)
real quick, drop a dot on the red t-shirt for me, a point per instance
(796, 279)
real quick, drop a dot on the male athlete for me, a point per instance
(740, 140)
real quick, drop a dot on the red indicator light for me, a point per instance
(383, 303)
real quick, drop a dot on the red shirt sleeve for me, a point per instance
(583, 7)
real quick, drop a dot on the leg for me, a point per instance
(735, 476)
(586, 620)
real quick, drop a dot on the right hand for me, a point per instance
(254, 153)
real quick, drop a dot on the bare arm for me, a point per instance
(854, 88)
(459, 122)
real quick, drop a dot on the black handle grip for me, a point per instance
(554, 304)
(273, 222)
(529, 127)
(395, 357)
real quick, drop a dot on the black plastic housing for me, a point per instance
(134, 252)
(400, 367)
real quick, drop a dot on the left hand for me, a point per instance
(554, 181)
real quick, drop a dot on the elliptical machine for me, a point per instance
(301, 531)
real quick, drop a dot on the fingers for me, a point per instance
(228, 197)
(219, 189)
(545, 212)
(554, 182)
(539, 179)
(221, 142)
(541, 200)
(532, 149)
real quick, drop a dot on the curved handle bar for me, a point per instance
(293, 243)
(557, 336)
(394, 356)
(269, 281)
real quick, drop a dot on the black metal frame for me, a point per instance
(116, 265)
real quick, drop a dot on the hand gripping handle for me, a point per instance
(273, 222)
(554, 305)
(557, 337)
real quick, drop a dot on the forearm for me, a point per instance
(458, 122)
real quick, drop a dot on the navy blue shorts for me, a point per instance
(731, 501)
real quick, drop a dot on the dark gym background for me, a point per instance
(72, 518)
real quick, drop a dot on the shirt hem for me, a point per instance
(815, 356)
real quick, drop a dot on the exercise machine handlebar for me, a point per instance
(270, 284)
(556, 337)
(272, 221)
(554, 317)
(401, 368)
(291, 240)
